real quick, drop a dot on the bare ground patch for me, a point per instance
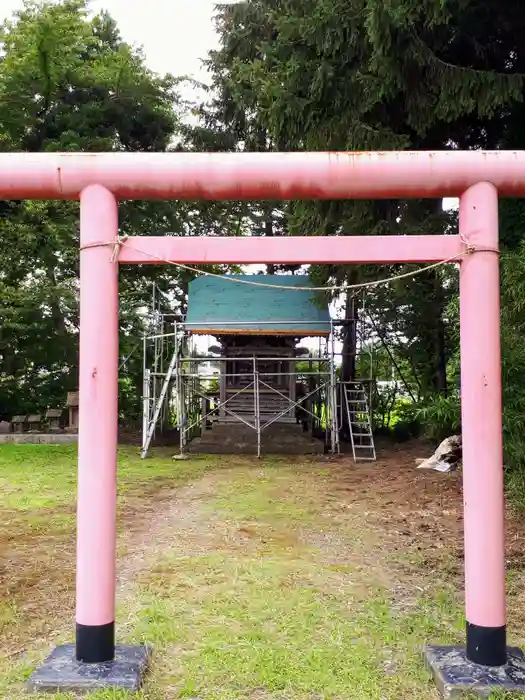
(415, 519)
(37, 560)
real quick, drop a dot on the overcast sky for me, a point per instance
(175, 34)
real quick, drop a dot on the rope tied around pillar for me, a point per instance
(117, 245)
(471, 248)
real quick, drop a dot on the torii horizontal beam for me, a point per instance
(295, 250)
(272, 176)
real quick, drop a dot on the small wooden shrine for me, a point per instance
(257, 329)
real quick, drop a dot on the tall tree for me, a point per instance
(364, 74)
(68, 83)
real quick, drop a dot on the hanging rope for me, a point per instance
(330, 288)
(122, 242)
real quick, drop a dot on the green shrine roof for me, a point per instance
(219, 306)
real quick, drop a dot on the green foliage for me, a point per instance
(213, 386)
(130, 410)
(393, 414)
(383, 405)
(513, 357)
(449, 60)
(325, 75)
(68, 83)
(440, 417)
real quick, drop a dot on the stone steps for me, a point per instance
(270, 406)
(236, 438)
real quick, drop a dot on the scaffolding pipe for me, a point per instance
(180, 389)
(257, 407)
(145, 406)
(243, 374)
(332, 398)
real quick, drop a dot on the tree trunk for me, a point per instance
(268, 232)
(349, 351)
(348, 365)
(440, 356)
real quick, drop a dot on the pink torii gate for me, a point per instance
(100, 180)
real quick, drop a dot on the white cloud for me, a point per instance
(175, 34)
(450, 203)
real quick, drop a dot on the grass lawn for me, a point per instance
(251, 579)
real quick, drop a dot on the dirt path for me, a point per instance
(37, 581)
(369, 514)
(327, 536)
(177, 524)
(172, 520)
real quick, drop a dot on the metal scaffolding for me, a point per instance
(178, 379)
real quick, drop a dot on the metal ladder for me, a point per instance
(158, 408)
(357, 407)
